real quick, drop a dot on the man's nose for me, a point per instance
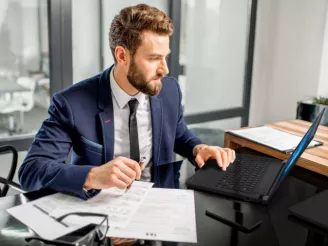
(163, 69)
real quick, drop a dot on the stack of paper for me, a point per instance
(141, 213)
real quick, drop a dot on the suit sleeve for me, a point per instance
(185, 140)
(44, 166)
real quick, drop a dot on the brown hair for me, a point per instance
(127, 27)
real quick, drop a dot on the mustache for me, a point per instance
(158, 76)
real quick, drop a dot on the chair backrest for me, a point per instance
(3, 150)
(26, 82)
(26, 97)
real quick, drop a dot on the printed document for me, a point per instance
(141, 213)
(166, 215)
(118, 205)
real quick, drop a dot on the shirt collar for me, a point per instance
(121, 97)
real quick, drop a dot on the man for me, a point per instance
(113, 119)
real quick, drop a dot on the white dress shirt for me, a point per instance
(121, 125)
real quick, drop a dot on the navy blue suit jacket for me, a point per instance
(81, 120)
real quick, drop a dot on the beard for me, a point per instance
(139, 81)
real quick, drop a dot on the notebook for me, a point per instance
(273, 138)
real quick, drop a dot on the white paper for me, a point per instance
(166, 215)
(271, 137)
(120, 206)
(41, 223)
(140, 213)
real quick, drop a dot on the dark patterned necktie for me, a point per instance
(133, 130)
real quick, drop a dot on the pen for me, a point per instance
(140, 165)
(45, 212)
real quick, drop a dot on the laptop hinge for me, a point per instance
(274, 186)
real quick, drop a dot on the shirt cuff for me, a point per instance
(90, 193)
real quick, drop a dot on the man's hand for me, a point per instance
(223, 156)
(119, 172)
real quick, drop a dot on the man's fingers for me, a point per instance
(222, 156)
(212, 152)
(126, 161)
(230, 153)
(117, 182)
(218, 158)
(199, 160)
(231, 156)
(131, 173)
(132, 164)
(225, 158)
(122, 176)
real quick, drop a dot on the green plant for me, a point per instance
(320, 100)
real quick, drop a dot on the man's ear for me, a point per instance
(122, 55)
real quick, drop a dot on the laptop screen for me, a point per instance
(302, 145)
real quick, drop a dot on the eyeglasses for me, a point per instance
(91, 234)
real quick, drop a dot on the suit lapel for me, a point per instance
(106, 116)
(156, 116)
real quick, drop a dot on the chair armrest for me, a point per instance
(12, 184)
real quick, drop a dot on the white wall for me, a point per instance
(85, 38)
(287, 58)
(323, 81)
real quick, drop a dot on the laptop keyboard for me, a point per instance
(244, 177)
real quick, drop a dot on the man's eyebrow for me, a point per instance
(156, 54)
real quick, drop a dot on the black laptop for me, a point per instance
(251, 178)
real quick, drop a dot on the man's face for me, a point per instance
(148, 66)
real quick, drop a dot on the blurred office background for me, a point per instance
(238, 62)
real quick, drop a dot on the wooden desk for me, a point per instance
(314, 159)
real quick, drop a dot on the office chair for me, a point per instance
(22, 101)
(7, 182)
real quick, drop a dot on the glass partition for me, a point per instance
(24, 66)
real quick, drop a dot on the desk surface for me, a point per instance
(314, 159)
(276, 228)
